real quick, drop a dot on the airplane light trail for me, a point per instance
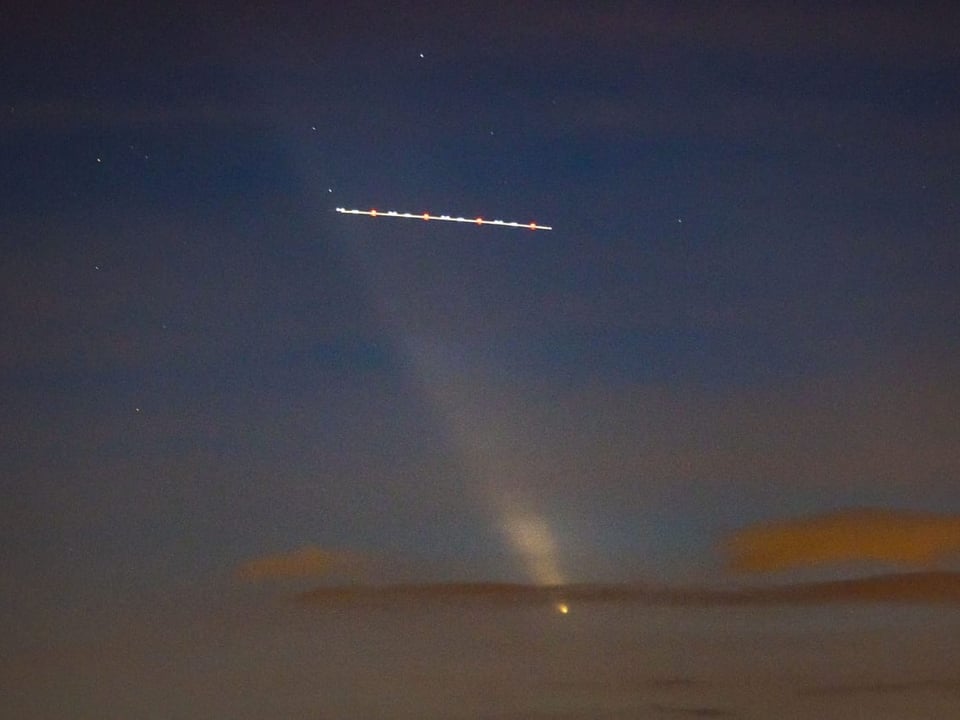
(445, 218)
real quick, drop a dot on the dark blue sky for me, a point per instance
(748, 308)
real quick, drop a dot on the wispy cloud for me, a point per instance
(900, 538)
(308, 561)
(881, 688)
(701, 712)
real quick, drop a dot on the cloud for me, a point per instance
(704, 712)
(880, 688)
(941, 588)
(308, 561)
(900, 538)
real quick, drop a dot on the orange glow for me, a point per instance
(479, 221)
(306, 562)
(901, 538)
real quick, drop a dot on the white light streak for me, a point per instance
(532, 538)
(444, 218)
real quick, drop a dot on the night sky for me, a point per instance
(748, 310)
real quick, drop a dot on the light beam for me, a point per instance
(443, 218)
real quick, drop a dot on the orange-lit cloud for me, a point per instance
(900, 538)
(306, 562)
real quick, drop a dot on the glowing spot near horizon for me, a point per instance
(563, 608)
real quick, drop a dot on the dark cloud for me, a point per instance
(700, 712)
(910, 588)
(629, 684)
(880, 688)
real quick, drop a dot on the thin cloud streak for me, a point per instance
(929, 588)
(308, 561)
